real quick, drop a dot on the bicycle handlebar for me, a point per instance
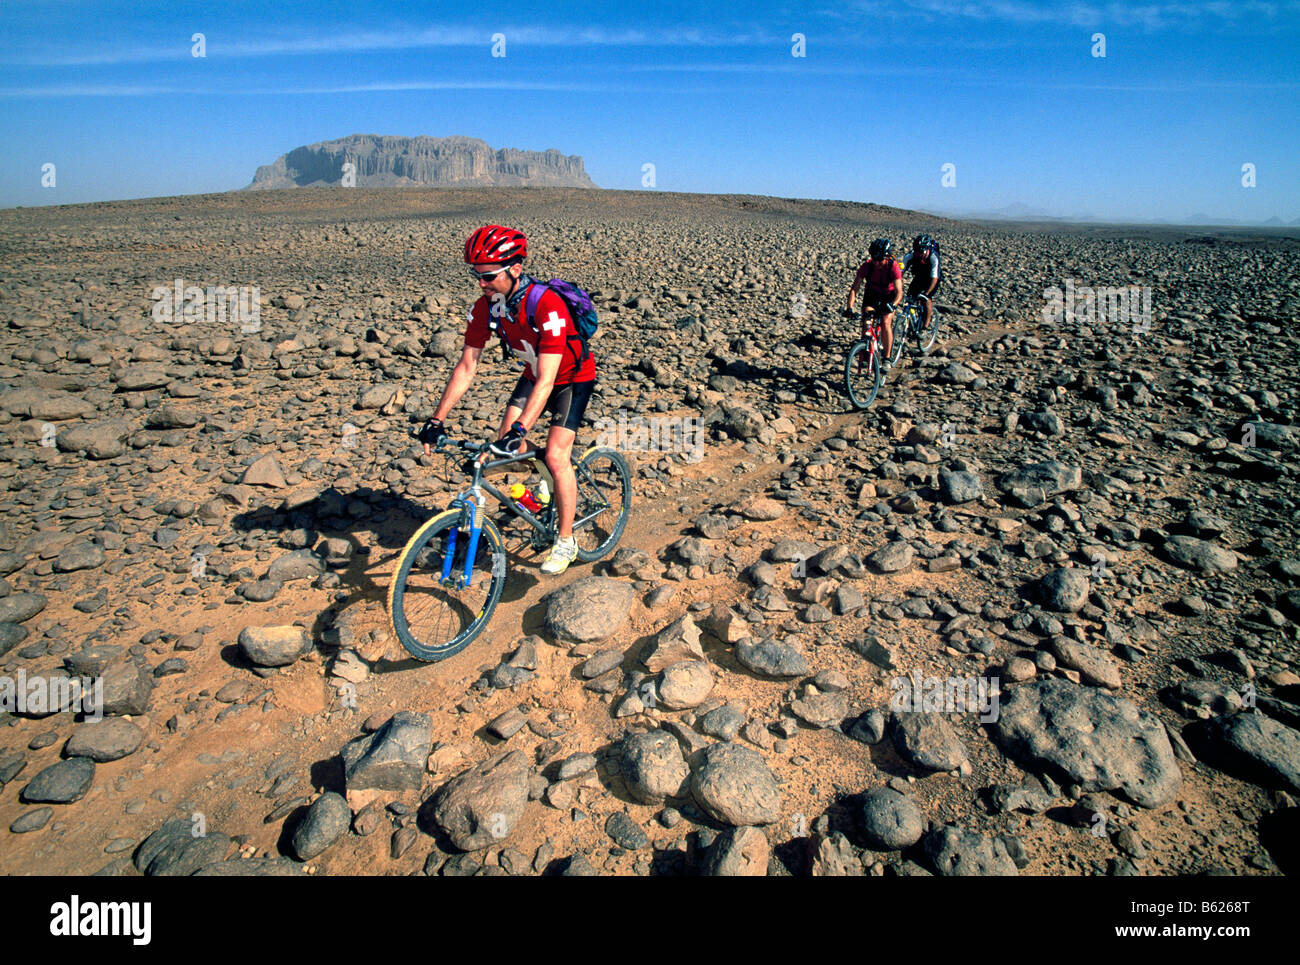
(874, 310)
(463, 444)
(451, 446)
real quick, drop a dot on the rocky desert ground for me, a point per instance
(1087, 519)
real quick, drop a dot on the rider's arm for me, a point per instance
(857, 283)
(461, 377)
(898, 285)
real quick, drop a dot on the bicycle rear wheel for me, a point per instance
(604, 501)
(435, 620)
(926, 334)
(862, 374)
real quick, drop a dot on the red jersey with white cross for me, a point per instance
(556, 334)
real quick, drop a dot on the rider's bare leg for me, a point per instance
(559, 449)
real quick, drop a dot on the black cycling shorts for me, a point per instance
(871, 306)
(567, 404)
(919, 285)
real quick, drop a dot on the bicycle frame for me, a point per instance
(872, 335)
(473, 501)
(909, 313)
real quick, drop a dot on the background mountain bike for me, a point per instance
(908, 324)
(450, 574)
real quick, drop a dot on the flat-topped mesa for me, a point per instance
(384, 161)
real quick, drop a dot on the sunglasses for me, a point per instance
(485, 275)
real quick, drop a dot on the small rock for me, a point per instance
(733, 784)
(685, 684)
(274, 646)
(625, 832)
(61, 783)
(738, 852)
(327, 819)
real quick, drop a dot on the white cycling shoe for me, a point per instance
(563, 553)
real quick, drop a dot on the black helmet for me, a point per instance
(922, 243)
(880, 248)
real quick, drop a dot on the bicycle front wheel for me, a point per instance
(604, 501)
(900, 334)
(862, 375)
(926, 334)
(436, 618)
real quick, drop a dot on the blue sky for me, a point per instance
(1008, 92)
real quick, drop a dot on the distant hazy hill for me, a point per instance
(1024, 212)
(383, 161)
(1019, 212)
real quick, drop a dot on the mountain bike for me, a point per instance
(450, 574)
(862, 366)
(909, 323)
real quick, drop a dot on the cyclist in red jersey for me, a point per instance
(883, 293)
(559, 372)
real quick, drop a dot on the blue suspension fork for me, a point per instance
(449, 554)
(475, 531)
(475, 507)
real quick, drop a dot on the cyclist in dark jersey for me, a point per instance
(883, 292)
(558, 374)
(923, 262)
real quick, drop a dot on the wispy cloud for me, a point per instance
(1148, 16)
(97, 90)
(947, 75)
(397, 39)
(940, 75)
(799, 68)
(1167, 88)
(146, 90)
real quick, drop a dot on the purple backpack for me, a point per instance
(578, 302)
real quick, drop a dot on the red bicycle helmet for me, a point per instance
(493, 244)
